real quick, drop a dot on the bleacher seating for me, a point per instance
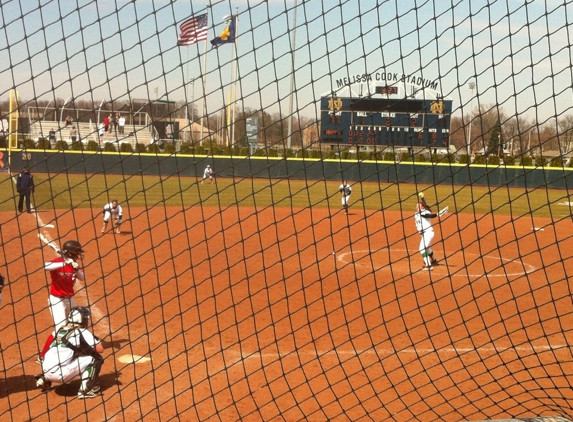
(133, 134)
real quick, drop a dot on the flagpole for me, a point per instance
(187, 98)
(235, 67)
(194, 30)
(203, 112)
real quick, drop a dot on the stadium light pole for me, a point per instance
(98, 112)
(62, 110)
(46, 109)
(471, 86)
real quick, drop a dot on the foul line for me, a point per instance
(386, 352)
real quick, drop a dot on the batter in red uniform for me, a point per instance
(64, 271)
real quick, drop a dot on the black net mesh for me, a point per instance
(237, 278)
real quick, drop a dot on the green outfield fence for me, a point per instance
(292, 168)
(224, 302)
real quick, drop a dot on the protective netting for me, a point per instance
(241, 284)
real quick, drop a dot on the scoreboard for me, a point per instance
(405, 122)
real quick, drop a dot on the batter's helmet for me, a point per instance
(79, 316)
(72, 249)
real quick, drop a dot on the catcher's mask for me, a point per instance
(79, 316)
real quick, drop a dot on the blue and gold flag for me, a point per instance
(227, 36)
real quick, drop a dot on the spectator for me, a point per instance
(112, 123)
(52, 137)
(121, 124)
(73, 134)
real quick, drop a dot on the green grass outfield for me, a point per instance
(66, 191)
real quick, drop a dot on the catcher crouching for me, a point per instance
(74, 352)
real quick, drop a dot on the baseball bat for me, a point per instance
(50, 243)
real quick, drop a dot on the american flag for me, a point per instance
(193, 30)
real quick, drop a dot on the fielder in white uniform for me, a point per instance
(423, 218)
(112, 210)
(345, 190)
(74, 352)
(208, 174)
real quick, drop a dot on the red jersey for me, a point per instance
(63, 279)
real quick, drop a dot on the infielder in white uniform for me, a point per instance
(112, 210)
(345, 190)
(208, 174)
(423, 218)
(74, 352)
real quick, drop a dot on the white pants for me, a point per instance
(60, 308)
(425, 245)
(108, 214)
(345, 200)
(64, 373)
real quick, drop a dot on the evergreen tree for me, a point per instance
(494, 144)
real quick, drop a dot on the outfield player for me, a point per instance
(345, 191)
(64, 271)
(74, 352)
(423, 218)
(208, 174)
(112, 210)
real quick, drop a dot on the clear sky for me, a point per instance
(518, 52)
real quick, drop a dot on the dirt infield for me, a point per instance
(275, 314)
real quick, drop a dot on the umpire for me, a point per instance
(25, 187)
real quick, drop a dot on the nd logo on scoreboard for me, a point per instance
(335, 104)
(437, 107)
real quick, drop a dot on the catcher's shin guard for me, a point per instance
(90, 377)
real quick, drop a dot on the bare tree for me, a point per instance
(565, 134)
(489, 117)
(516, 132)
